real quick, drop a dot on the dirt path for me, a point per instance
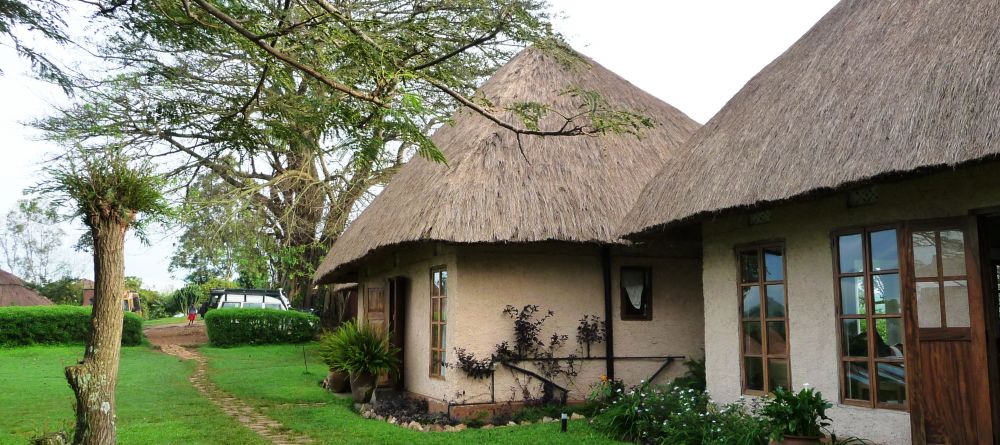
(179, 341)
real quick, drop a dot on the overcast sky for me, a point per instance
(692, 54)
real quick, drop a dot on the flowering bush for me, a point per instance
(738, 423)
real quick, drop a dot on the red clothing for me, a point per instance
(191, 317)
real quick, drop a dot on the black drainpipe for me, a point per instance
(609, 339)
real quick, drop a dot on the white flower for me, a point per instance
(806, 385)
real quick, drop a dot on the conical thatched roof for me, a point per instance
(569, 188)
(15, 292)
(875, 88)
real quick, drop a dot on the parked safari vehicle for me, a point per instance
(246, 298)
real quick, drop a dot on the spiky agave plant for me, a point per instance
(359, 348)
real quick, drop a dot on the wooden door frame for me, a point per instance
(396, 322)
(990, 308)
(983, 413)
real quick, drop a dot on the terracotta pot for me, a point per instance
(800, 440)
(362, 386)
(338, 382)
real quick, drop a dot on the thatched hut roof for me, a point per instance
(15, 292)
(874, 89)
(562, 188)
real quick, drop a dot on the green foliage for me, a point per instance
(638, 414)
(18, 19)
(797, 414)
(673, 414)
(233, 327)
(694, 378)
(62, 291)
(57, 325)
(359, 348)
(108, 183)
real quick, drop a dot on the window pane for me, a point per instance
(854, 338)
(435, 284)
(885, 291)
(435, 360)
(924, 254)
(956, 303)
(444, 340)
(777, 374)
(928, 305)
(435, 309)
(852, 295)
(753, 369)
(952, 253)
(849, 250)
(884, 250)
(774, 269)
(751, 303)
(444, 310)
(891, 383)
(751, 338)
(434, 337)
(777, 342)
(775, 300)
(749, 269)
(444, 282)
(857, 383)
(889, 342)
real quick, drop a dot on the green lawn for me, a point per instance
(164, 321)
(156, 403)
(274, 378)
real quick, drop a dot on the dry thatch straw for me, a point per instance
(563, 188)
(876, 88)
(15, 292)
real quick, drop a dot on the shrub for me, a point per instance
(734, 424)
(232, 327)
(357, 348)
(797, 414)
(638, 414)
(27, 325)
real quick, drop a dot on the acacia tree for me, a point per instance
(111, 193)
(299, 108)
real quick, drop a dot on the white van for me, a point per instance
(247, 298)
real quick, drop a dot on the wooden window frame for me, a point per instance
(763, 319)
(870, 317)
(436, 369)
(647, 295)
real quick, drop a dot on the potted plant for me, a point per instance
(361, 351)
(797, 418)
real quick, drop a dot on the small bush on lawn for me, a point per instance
(232, 327)
(28, 325)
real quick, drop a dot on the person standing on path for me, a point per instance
(192, 311)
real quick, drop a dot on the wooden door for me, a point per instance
(949, 377)
(397, 321)
(375, 307)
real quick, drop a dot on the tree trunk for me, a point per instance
(95, 378)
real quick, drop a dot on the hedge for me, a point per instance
(28, 325)
(238, 326)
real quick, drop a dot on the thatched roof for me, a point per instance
(876, 88)
(563, 188)
(15, 292)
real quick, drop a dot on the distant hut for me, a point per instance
(15, 292)
(444, 249)
(849, 203)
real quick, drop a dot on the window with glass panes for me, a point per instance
(870, 317)
(439, 300)
(764, 321)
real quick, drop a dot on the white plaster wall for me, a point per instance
(414, 263)
(568, 280)
(805, 228)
